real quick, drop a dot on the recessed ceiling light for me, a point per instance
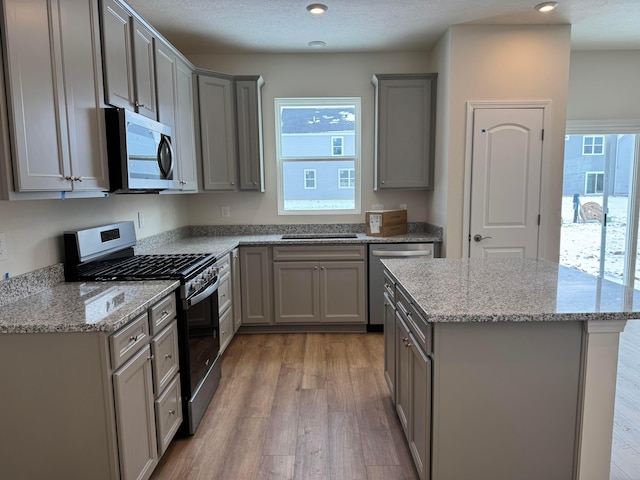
(317, 44)
(317, 8)
(546, 6)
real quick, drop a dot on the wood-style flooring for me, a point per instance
(296, 406)
(625, 454)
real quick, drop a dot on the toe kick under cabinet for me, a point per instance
(91, 404)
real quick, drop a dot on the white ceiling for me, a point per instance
(218, 26)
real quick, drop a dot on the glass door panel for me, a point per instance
(599, 186)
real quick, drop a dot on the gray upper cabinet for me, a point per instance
(54, 95)
(129, 70)
(175, 109)
(217, 131)
(405, 108)
(249, 130)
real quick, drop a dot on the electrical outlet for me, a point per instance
(377, 206)
(225, 211)
(3, 247)
(403, 206)
(140, 220)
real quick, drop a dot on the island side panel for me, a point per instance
(506, 400)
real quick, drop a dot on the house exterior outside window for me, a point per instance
(309, 178)
(594, 183)
(593, 145)
(317, 142)
(346, 177)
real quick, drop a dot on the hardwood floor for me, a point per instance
(296, 406)
(625, 454)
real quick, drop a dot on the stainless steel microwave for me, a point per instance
(140, 153)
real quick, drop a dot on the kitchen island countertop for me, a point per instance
(82, 306)
(515, 290)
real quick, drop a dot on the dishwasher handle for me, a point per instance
(402, 253)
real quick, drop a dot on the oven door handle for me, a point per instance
(202, 295)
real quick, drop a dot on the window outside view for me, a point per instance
(598, 187)
(318, 153)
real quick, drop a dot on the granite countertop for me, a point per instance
(517, 290)
(82, 306)
(222, 244)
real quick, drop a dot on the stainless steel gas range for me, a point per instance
(106, 253)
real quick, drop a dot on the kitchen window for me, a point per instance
(593, 145)
(317, 142)
(346, 178)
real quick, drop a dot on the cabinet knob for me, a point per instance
(382, 182)
(315, 268)
(168, 355)
(172, 412)
(134, 338)
(232, 183)
(182, 182)
(139, 105)
(255, 183)
(68, 178)
(77, 179)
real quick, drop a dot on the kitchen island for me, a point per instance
(504, 368)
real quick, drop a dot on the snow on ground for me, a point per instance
(580, 242)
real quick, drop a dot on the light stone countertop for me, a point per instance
(83, 306)
(515, 290)
(223, 244)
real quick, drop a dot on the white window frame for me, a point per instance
(593, 144)
(356, 158)
(586, 182)
(351, 178)
(341, 146)
(315, 178)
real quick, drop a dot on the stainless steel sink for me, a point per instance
(307, 236)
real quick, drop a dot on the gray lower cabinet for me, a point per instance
(256, 291)
(91, 405)
(405, 109)
(135, 418)
(54, 94)
(225, 301)
(317, 284)
(390, 344)
(236, 289)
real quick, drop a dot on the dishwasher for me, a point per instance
(377, 252)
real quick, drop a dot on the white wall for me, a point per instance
(604, 85)
(34, 227)
(308, 75)
(503, 63)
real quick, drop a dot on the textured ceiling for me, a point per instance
(217, 26)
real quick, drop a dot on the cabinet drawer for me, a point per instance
(162, 313)
(224, 266)
(226, 330)
(168, 409)
(389, 287)
(224, 293)
(164, 348)
(126, 341)
(319, 253)
(422, 330)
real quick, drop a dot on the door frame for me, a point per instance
(544, 206)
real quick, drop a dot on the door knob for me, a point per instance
(478, 238)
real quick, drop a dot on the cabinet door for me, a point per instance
(84, 92)
(135, 417)
(296, 292)
(186, 133)
(390, 345)
(249, 129)
(403, 356)
(256, 292)
(117, 55)
(343, 292)
(224, 293)
(144, 70)
(405, 122)
(235, 289)
(217, 132)
(419, 408)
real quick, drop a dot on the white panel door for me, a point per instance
(505, 182)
